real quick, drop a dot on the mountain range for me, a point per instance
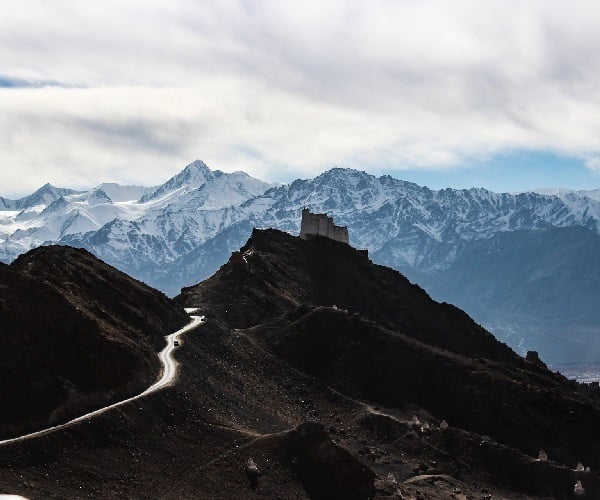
(458, 244)
(317, 374)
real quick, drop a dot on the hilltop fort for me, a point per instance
(322, 225)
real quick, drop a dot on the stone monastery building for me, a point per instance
(322, 225)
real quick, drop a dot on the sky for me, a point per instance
(501, 94)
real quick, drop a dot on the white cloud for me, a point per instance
(284, 90)
(593, 163)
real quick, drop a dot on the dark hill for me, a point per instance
(366, 361)
(75, 333)
(364, 330)
(282, 272)
(322, 399)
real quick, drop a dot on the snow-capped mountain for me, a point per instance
(406, 225)
(178, 233)
(594, 194)
(159, 223)
(42, 197)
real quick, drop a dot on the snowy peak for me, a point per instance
(97, 197)
(344, 179)
(199, 187)
(191, 177)
(159, 224)
(197, 166)
(43, 197)
(194, 175)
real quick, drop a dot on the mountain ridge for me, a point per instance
(545, 280)
(318, 374)
(76, 333)
(368, 333)
(312, 276)
(187, 227)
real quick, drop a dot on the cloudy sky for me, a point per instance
(496, 93)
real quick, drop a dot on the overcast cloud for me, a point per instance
(132, 91)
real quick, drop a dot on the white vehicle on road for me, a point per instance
(168, 376)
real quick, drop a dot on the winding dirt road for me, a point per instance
(169, 373)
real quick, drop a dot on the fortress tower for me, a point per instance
(322, 225)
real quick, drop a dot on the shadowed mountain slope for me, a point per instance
(521, 405)
(366, 331)
(321, 399)
(281, 272)
(75, 334)
(540, 285)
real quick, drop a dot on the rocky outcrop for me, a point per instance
(325, 469)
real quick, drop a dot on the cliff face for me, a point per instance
(75, 334)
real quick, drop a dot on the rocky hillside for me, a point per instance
(365, 331)
(320, 375)
(75, 334)
(283, 273)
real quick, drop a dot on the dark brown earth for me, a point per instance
(75, 334)
(322, 400)
(365, 331)
(285, 272)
